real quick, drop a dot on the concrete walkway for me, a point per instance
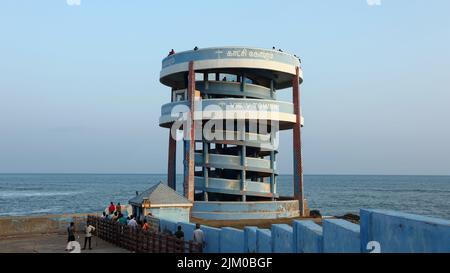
(52, 243)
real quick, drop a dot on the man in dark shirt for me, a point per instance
(71, 232)
(179, 233)
(70, 235)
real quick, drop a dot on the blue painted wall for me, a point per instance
(263, 241)
(282, 238)
(212, 239)
(245, 210)
(402, 232)
(167, 225)
(308, 237)
(340, 236)
(394, 231)
(250, 239)
(231, 240)
(171, 214)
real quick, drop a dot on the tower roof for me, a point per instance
(257, 64)
(160, 195)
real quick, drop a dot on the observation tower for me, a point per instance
(224, 108)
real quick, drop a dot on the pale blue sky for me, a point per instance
(79, 87)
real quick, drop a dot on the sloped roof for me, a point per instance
(160, 194)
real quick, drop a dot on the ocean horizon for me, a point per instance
(60, 193)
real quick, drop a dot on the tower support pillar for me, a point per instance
(189, 138)
(297, 143)
(171, 164)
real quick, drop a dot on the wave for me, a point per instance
(26, 188)
(406, 190)
(26, 212)
(23, 194)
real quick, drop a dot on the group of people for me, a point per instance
(129, 221)
(280, 50)
(171, 52)
(71, 231)
(116, 215)
(114, 208)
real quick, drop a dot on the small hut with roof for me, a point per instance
(162, 202)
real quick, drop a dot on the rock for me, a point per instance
(315, 213)
(354, 218)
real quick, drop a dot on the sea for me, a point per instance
(333, 195)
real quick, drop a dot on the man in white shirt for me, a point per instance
(132, 223)
(199, 237)
(88, 236)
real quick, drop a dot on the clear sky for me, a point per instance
(80, 91)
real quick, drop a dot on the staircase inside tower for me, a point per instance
(240, 167)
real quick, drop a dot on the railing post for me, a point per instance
(147, 239)
(191, 246)
(168, 242)
(136, 243)
(154, 242)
